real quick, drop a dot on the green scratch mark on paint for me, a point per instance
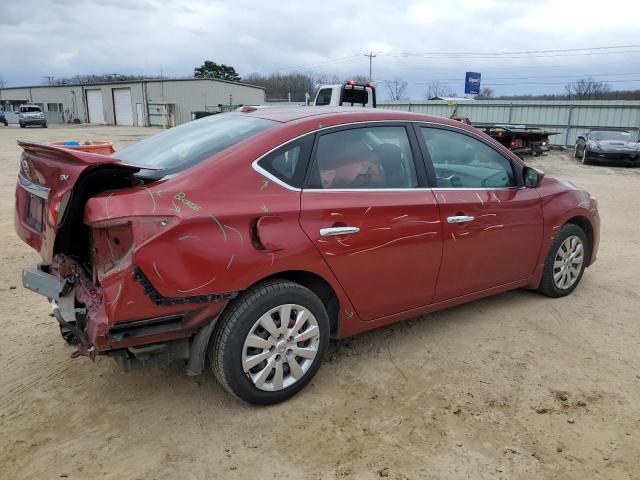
(175, 208)
(265, 184)
(224, 233)
(264, 208)
(348, 313)
(239, 234)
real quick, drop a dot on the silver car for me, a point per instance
(31, 115)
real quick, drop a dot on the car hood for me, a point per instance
(614, 146)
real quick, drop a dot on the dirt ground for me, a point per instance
(513, 386)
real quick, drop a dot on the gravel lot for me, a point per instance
(513, 386)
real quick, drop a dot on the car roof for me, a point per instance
(608, 130)
(345, 114)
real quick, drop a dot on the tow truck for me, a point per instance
(347, 94)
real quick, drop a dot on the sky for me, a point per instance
(419, 42)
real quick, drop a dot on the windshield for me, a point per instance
(188, 144)
(29, 109)
(609, 135)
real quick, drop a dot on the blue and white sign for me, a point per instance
(472, 83)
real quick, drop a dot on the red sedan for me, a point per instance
(247, 240)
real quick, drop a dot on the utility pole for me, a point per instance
(49, 79)
(371, 55)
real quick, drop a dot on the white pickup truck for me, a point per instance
(348, 94)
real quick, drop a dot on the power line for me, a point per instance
(504, 56)
(583, 75)
(525, 52)
(316, 64)
(530, 83)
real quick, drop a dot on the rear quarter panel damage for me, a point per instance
(212, 230)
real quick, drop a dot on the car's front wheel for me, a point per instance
(270, 342)
(565, 263)
(585, 159)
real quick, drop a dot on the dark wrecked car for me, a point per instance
(249, 239)
(608, 146)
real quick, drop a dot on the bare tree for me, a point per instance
(396, 88)
(95, 78)
(358, 78)
(485, 94)
(587, 89)
(437, 89)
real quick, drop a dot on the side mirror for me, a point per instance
(532, 177)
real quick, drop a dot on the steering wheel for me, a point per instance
(453, 180)
(501, 176)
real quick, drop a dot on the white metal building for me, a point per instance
(136, 102)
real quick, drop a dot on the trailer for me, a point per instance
(520, 139)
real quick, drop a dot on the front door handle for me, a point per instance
(460, 219)
(328, 232)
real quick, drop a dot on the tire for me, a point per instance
(22, 125)
(229, 351)
(575, 151)
(44, 125)
(585, 160)
(555, 287)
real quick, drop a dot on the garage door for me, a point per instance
(122, 106)
(94, 105)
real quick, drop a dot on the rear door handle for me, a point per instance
(460, 219)
(329, 232)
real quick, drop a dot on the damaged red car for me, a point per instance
(245, 241)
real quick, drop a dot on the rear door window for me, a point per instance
(364, 158)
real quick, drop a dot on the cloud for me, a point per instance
(67, 37)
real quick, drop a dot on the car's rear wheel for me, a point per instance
(44, 125)
(565, 263)
(270, 342)
(575, 151)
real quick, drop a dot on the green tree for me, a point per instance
(211, 69)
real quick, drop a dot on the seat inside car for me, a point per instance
(393, 169)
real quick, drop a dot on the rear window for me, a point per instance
(29, 109)
(355, 96)
(188, 144)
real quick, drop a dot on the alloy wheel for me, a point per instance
(568, 262)
(280, 347)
